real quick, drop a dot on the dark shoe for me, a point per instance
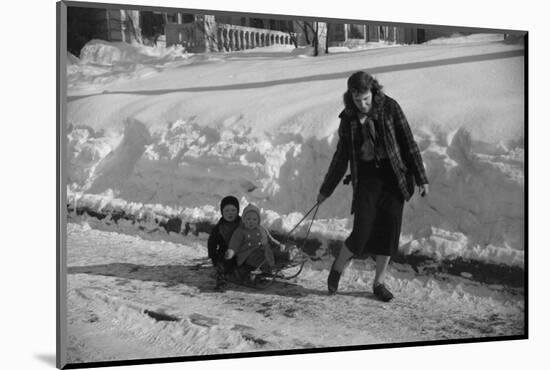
(221, 283)
(333, 279)
(382, 293)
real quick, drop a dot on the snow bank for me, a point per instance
(458, 38)
(108, 53)
(309, 51)
(474, 211)
(363, 46)
(270, 143)
(72, 60)
(103, 63)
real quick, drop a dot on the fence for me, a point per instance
(223, 37)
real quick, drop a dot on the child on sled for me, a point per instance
(220, 236)
(253, 246)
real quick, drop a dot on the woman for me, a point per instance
(385, 163)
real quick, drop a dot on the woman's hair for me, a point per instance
(361, 82)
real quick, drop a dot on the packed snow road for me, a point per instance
(132, 298)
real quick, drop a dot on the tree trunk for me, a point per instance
(326, 38)
(316, 40)
(306, 34)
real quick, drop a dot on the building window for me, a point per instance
(172, 17)
(337, 32)
(187, 18)
(223, 20)
(257, 23)
(356, 31)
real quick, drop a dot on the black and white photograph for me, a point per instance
(246, 184)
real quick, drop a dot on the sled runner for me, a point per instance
(261, 278)
(284, 269)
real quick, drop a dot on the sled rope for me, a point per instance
(315, 207)
(310, 224)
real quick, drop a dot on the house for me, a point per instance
(200, 33)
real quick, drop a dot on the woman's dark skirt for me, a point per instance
(378, 211)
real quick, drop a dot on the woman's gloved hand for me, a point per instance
(229, 254)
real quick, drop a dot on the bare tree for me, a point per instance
(293, 38)
(326, 38)
(285, 27)
(211, 37)
(313, 28)
(306, 28)
(316, 40)
(135, 35)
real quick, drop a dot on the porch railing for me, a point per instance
(223, 37)
(232, 38)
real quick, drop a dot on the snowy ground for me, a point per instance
(157, 134)
(115, 280)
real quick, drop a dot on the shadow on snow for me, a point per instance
(200, 275)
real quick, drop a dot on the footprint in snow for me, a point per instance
(290, 312)
(258, 341)
(122, 282)
(264, 311)
(160, 316)
(202, 320)
(239, 327)
(247, 334)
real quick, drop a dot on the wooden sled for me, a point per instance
(282, 271)
(259, 279)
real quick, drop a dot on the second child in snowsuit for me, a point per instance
(251, 243)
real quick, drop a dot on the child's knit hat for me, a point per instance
(251, 208)
(229, 200)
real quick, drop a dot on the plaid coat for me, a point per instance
(399, 144)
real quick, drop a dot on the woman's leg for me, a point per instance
(363, 221)
(342, 260)
(381, 267)
(337, 267)
(378, 287)
(387, 243)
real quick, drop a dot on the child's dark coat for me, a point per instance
(219, 238)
